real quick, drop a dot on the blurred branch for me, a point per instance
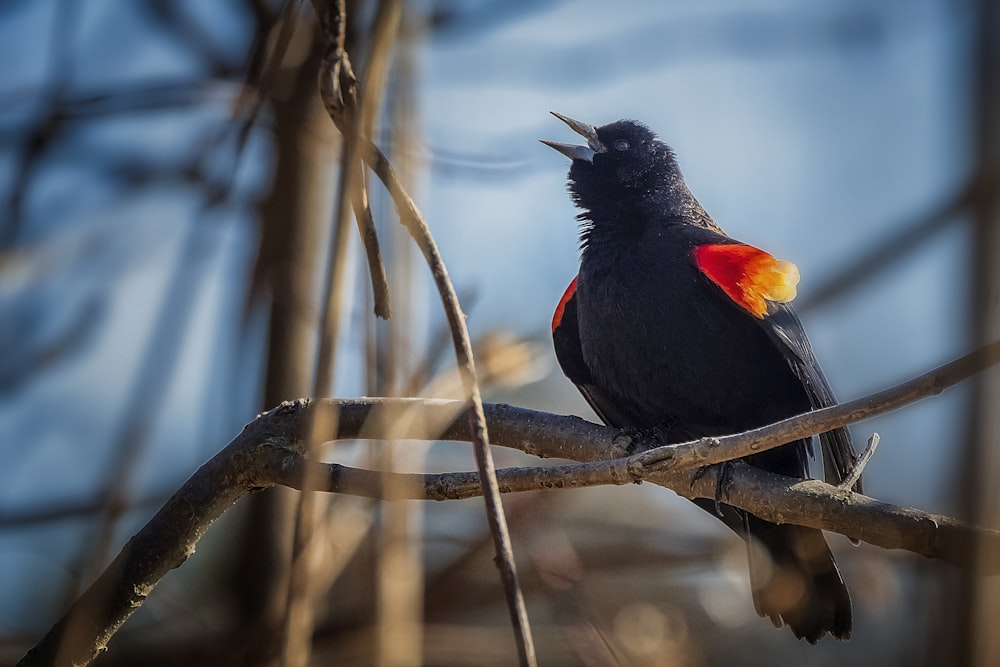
(293, 217)
(976, 641)
(338, 88)
(153, 373)
(358, 109)
(73, 509)
(270, 450)
(349, 114)
(896, 247)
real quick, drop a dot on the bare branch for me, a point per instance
(410, 217)
(373, 252)
(270, 450)
(164, 543)
(332, 84)
(859, 466)
(715, 450)
(773, 497)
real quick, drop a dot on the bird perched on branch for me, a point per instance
(673, 326)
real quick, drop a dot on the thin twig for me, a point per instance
(373, 253)
(340, 107)
(340, 96)
(411, 218)
(859, 466)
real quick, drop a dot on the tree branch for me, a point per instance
(773, 497)
(336, 80)
(270, 450)
(413, 221)
(715, 450)
(356, 121)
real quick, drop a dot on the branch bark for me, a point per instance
(271, 450)
(773, 497)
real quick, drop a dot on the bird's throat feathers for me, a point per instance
(611, 226)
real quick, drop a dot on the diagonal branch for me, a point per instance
(271, 450)
(715, 450)
(773, 497)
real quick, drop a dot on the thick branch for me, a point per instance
(166, 541)
(547, 435)
(270, 448)
(773, 497)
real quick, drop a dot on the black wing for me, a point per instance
(785, 329)
(569, 353)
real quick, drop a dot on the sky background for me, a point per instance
(813, 130)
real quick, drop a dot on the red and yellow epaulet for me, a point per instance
(748, 276)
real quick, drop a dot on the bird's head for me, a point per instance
(623, 165)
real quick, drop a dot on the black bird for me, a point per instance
(672, 325)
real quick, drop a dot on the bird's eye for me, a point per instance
(621, 145)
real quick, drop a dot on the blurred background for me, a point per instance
(167, 182)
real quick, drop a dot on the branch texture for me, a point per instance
(271, 450)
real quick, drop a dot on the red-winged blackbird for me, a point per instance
(672, 325)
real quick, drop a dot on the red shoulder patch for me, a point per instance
(561, 308)
(748, 276)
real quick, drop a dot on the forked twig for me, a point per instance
(852, 478)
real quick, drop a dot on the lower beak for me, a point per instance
(572, 152)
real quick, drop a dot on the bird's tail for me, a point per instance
(795, 580)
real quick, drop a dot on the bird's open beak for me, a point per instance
(587, 153)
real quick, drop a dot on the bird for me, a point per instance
(673, 327)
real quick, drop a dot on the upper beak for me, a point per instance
(593, 147)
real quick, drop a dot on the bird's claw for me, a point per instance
(644, 439)
(724, 484)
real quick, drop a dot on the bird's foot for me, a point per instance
(641, 440)
(724, 483)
